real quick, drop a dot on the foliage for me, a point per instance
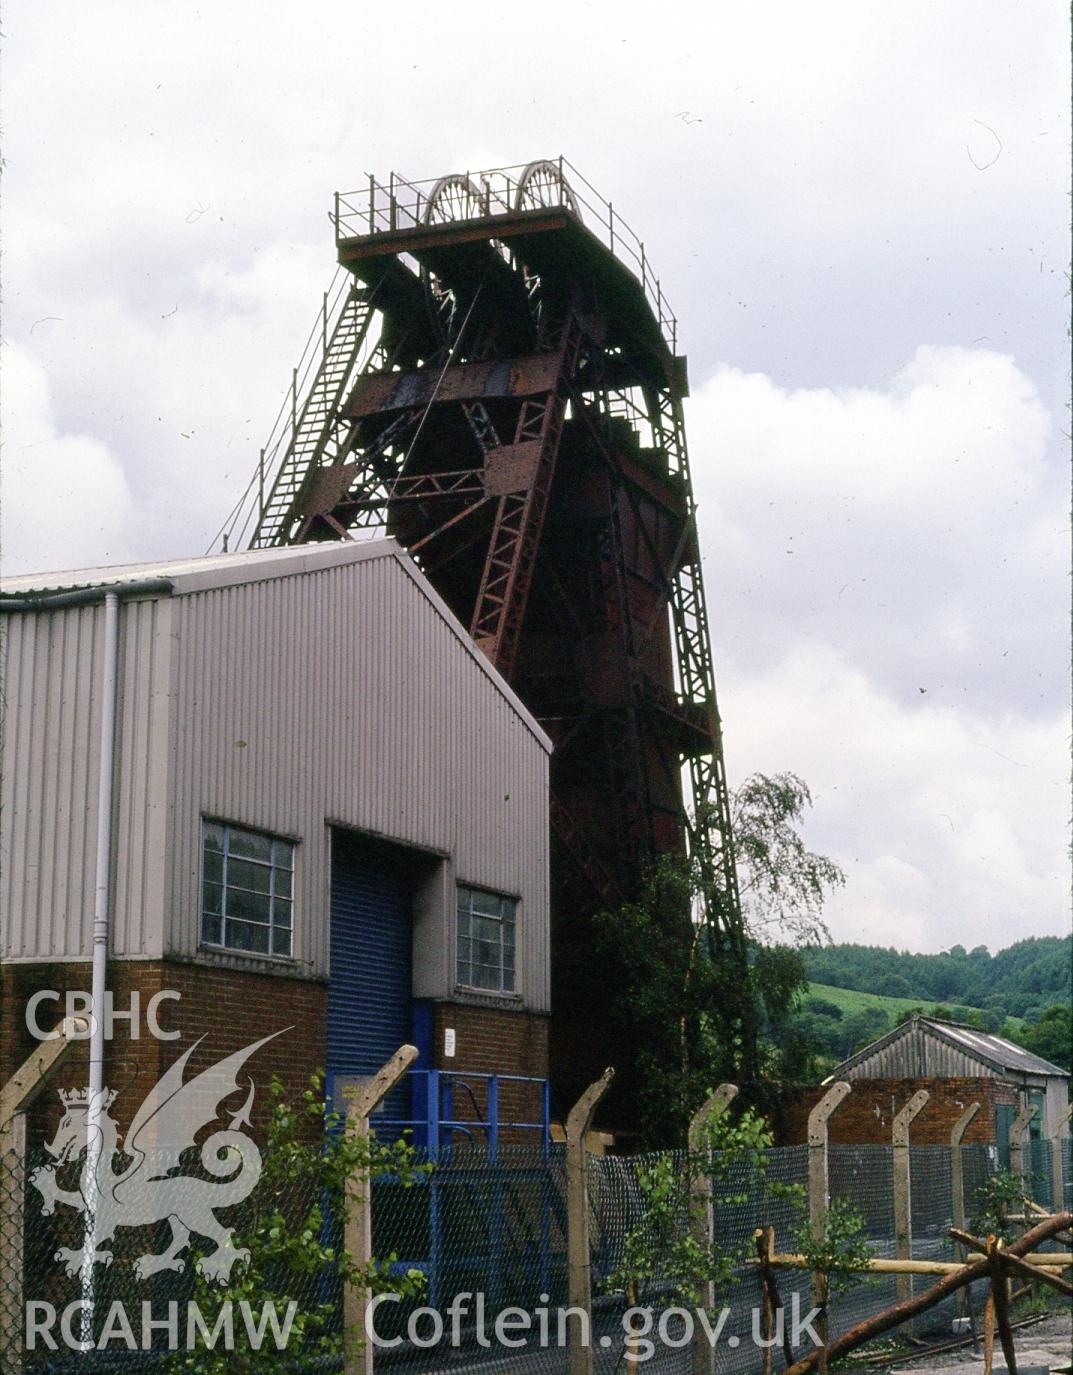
(1023, 980)
(1002, 1194)
(842, 1247)
(702, 1001)
(291, 1233)
(665, 1247)
(1052, 1036)
(783, 884)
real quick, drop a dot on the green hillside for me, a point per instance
(851, 1001)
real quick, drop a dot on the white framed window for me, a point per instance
(247, 890)
(486, 924)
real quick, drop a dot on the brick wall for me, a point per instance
(228, 1008)
(866, 1116)
(491, 1040)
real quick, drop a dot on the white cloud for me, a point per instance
(919, 527)
(64, 501)
(822, 188)
(949, 826)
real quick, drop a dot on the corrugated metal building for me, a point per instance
(319, 783)
(926, 1048)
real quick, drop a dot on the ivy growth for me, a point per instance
(841, 1254)
(292, 1229)
(667, 1249)
(1003, 1194)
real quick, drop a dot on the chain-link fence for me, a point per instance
(487, 1231)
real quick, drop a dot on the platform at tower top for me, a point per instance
(567, 224)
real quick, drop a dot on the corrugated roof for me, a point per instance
(994, 1049)
(257, 565)
(230, 568)
(990, 1049)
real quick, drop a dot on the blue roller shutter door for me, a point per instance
(370, 1010)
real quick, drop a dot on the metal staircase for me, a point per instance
(310, 437)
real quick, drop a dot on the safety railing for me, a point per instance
(435, 1121)
(386, 207)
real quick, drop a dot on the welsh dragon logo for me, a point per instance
(149, 1189)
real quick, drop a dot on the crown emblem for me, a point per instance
(79, 1098)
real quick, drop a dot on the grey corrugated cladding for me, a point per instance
(925, 1046)
(286, 689)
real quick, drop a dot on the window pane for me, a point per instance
(213, 834)
(253, 906)
(244, 935)
(283, 854)
(281, 942)
(211, 897)
(242, 874)
(248, 845)
(210, 929)
(281, 913)
(281, 882)
(486, 903)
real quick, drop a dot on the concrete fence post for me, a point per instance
(578, 1254)
(819, 1194)
(702, 1219)
(1017, 1138)
(18, 1094)
(957, 1190)
(1058, 1183)
(903, 1215)
(818, 1173)
(358, 1228)
(957, 1168)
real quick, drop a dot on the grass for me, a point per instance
(850, 1001)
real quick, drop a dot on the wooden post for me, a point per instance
(358, 1228)
(702, 1220)
(20, 1091)
(819, 1190)
(1017, 1138)
(578, 1125)
(1002, 1313)
(1058, 1183)
(903, 1218)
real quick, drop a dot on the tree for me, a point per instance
(863, 1027)
(822, 1007)
(291, 1229)
(1052, 1036)
(783, 884)
(699, 1002)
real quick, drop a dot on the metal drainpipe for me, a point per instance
(55, 601)
(101, 913)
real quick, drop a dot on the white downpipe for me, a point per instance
(101, 916)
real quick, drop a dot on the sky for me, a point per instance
(859, 213)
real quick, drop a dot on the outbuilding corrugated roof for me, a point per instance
(985, 1046)
(995, 1049)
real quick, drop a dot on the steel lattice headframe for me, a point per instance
(493, 380)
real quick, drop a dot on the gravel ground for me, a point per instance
(1040, 1348)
